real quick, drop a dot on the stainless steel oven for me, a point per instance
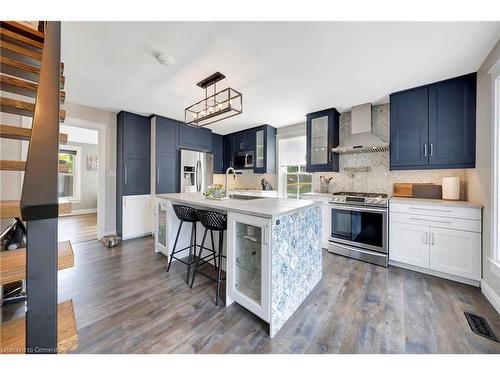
(360, 232)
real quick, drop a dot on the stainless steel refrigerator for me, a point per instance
(197, 171)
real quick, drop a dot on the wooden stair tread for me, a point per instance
(13, 262)
(22, 87)
(23, 70)
(23, 134)
(11, 209)
(13, 338)
(21, 50)
(23, 29)
(4, 32)
(19, 107)
(20, 165)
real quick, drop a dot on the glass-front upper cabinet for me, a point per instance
(259, 149)
(322, 135)
(248, 273)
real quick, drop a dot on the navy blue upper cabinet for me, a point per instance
(452, 123)
(167, 163)
(322, 134)
(228, 151)
(409, 128)
(134, 156)
(195, 138)
(434, 126)
(218, 152)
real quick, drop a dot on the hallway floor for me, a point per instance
(126, 302)
(77, 228)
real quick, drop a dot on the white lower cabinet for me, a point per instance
(444, 244)
(249, 260)
(409, 243)
(455, 252)
(136, 216)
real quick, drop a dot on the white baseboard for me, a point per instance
(490, 295)
(83, 211)
(443, 275)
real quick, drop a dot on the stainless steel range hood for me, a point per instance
(361, 140)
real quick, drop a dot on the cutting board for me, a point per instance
(417, 190)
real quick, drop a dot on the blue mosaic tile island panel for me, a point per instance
(296, 262)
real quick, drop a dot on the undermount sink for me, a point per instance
(243, 197)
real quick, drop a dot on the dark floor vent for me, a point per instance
(480, 326)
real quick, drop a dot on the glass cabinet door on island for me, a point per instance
(249, 263)
(161, 228)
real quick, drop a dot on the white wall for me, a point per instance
(79, 115)
(480, 184)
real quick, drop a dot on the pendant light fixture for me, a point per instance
(217, 105)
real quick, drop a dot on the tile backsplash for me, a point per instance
(246, 180)
(379, 178)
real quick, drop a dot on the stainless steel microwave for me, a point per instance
(243, 160)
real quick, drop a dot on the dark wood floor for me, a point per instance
(126, 303)
(77, 228)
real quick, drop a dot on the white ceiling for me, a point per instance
(283, 69)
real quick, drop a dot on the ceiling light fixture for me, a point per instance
(164, 59)
(215, 107)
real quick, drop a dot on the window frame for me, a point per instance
(494, 257)
(298, 174)
(77, 174)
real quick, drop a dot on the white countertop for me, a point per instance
(440, 202)
(255, 193)
(263, 207)
(316, 194)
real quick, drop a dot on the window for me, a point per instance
(69, 173)
(297, 181)
(294, 180)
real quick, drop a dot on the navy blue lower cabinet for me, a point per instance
(218, 152)
(434, 126)
(409, 129)
(452, 123)
(167, 157)
(322, 135)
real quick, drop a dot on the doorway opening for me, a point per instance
(78, 183)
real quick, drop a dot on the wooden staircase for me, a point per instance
(22, 59)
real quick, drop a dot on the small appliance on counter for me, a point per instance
(417, 190)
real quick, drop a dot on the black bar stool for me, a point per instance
(212, 221)
(185, 214)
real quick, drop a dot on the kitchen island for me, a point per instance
(273, 249)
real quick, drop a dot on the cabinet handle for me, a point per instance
(432, 149)
(158, 174)
(265, 236)
(126, 174)
(434, 221)
(426, 238)
(429, 209)
(425, 149)
(330, 157)
(432, 239)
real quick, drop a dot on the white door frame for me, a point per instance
(101, 183)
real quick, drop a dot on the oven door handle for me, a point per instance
(358, 208)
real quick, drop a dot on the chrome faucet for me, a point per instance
(230, 169)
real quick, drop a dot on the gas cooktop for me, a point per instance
(359, 198)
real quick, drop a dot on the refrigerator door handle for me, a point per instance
(198, 176)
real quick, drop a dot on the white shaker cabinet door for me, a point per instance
(456, 252)
(409, 244)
